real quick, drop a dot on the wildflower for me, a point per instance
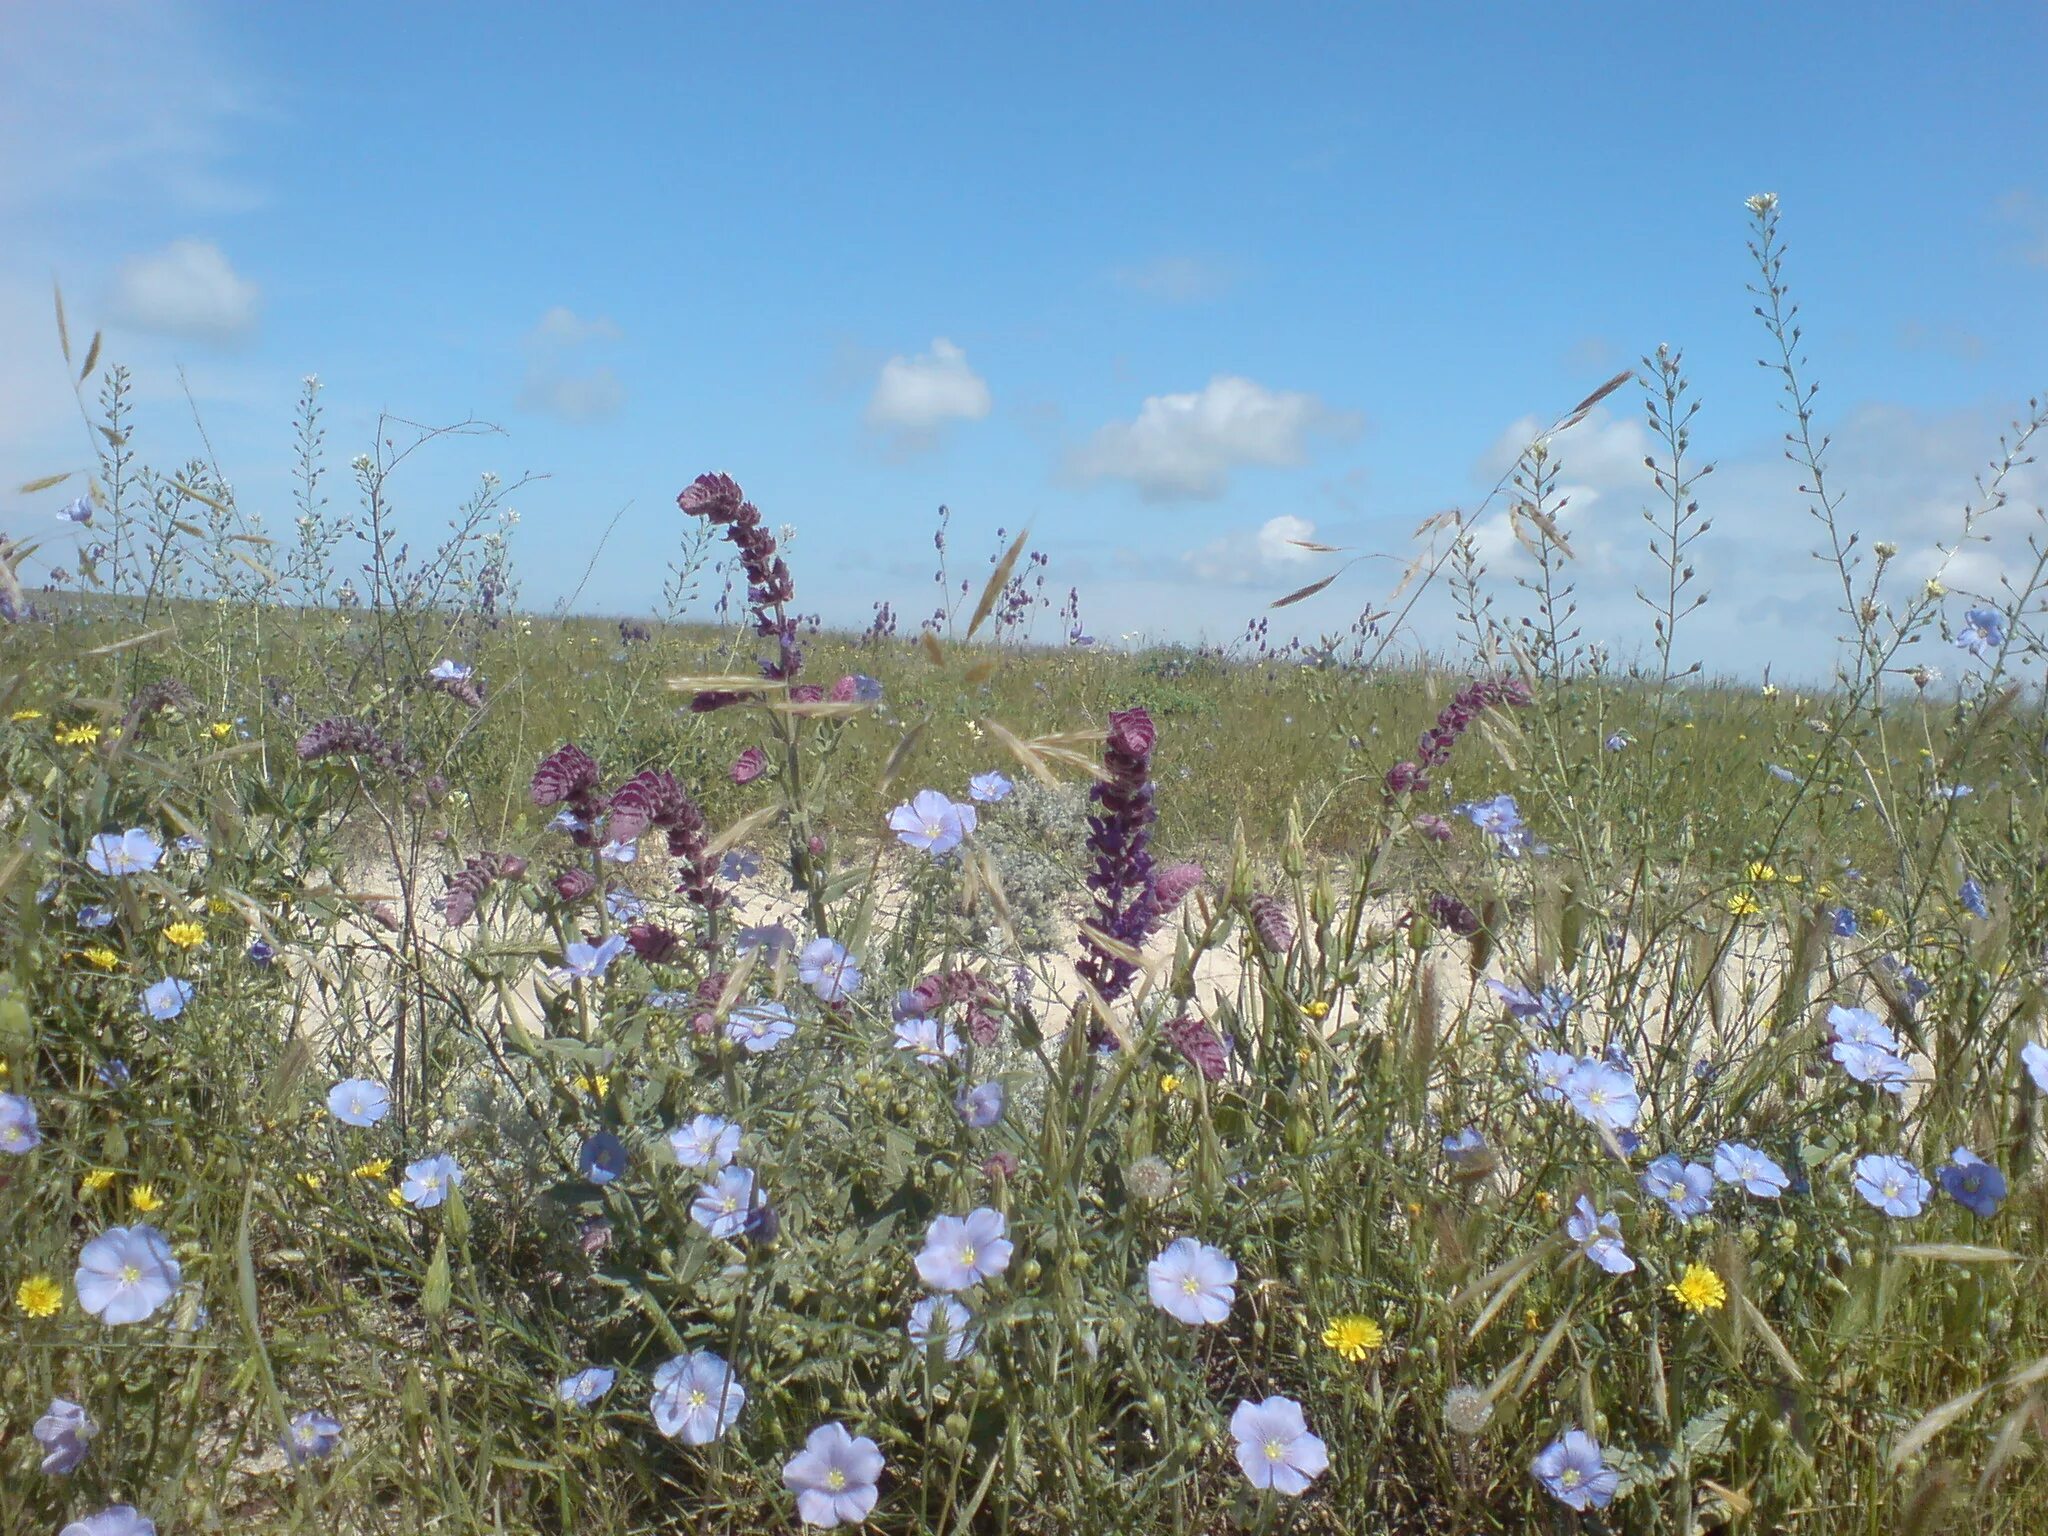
(760, 1027)
(1735, 1163)
(359, 1102)
(166, 999)
(932, 822)
(772, 938)
(933, 1042)
(145, 1198)
(1620, 741)
(1316, 1009)
(1467, 1410)
(311, 1180)
(39, 1296)
(1602, 1095)
(619, 851)
(1699, 1290)
(428, 1181)
(1501, 819)
(748, 766)
(1953, 791)
(586, 962)
(1843, 922)
(721, 1206)
(1742, 904)
(706, 1142)
(944, 1318)
(1972, 1183)
(78, 511)
(313, 1437)
(601, 1158)
(696, 1398)
(395, 1199)
(18, 1129)
(97, 1180)
(1598, 1236)
(95, 916)
(125, 1274)
(1573, 1471)
(1199, 1043)
(1467, 1151)
(118, 1520)
(597, 1085)
(21, 716)
(624, 906)
(1356, 1339)
(65, 1432)
(1192, 1282)
(446, 671)
(1972, 898)
(834, 1477)
(989, 787)
(77, 735)
(1983, 632)
(375, 1168)
(1120, 834)
(99, 957)
(982, 1105)
(133, 852)
(961, 1251)
(1551, 1007)
(1687, 1189)
(220, 730)
(586, 1386)
(1785, 775)
(828, 968)
(186, 935)
(1892, 1185)
(1274, 1446)
(1547, 1073)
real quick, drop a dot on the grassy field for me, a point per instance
(929, 1085)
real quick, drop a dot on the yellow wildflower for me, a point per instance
(100, 957)
(221, 730)
(395, 1198)
(1356, 1339)
(21, 715)
(594, 1086)
(1532, 1321)
(1169, 1083)
(145, 1198)
(376, 1168)
(97, 1180)
(39, 1296)
(1760, 873)
(77, 735)
(312, 1181)
(1699, 1290)
(1742, 904)
(186, 935)
(1545, 1201)
(1317, 1009)
(219, 906)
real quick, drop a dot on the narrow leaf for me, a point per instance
(45, 483)
(1306, 592)
(997, 580)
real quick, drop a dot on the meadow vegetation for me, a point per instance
(472, 1070)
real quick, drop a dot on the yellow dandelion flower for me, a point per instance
(1317, 1009)
(21, 715)
(100, 957)
(1545, 1201)
(1414, 1208)
(186, 935)
(397, 1201)
(376, 1168)
(312, 1181)
(1742, 904)
(1699, 1290)
(1356, 1339)
(96, 1180)
(145, 1198)
(1760, 873)
(77, 735)
(1532, 1321)
(595, 1086)
(1169, 1083)
(39, 1296)
(219, 906)
(221, 730)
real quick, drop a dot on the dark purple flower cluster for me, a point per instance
(153, 699)
(1272, 922)
(1456, 717)
(465, 690)
(344, 737)
(654, 943)
(946, 988)
(467, 886)
(1450, 913)
(655, 799)
(1119, 834)
(568, 776)
(718, 500)
(1195, 1040)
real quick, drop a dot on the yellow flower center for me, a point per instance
(1275, 1449)
(967, 1253)
(130, 1275)
(1191, 1285)
(835, 1480)
(1569, 1478)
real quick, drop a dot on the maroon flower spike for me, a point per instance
(844, 691)
(655, 799)
(718, 500)
(806, 693)
(1435, 828)
(1456, 717)
(1272, 922)
(1195, 1040)
(1449, 912)
(1119, 834)
(568, 777)
(466, 690)
(1174, 885)
(749, 766)
(344, 737)
(653, 943)
(468, 885)
(999, 1165)
(575, 884)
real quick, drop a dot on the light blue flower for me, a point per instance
(1892, 1185)
(740, 864)
(624, 906)
(95, 916)
(617, 852)
(428, 1181)
(1983, 632)
(982, 1105)
(1501, 819)
(1843, 921)
(78, 511)
(18, 1129)
(1598, 1235)
(119, 1520)
(989, 787)
(1687, 1189)
(446, 671)
(2035, 1058)
(696, 1398)
(1547, 1073)
(313, 1437)
(1972, 897)
(1467, 1150)
(834, 1477)
(721, 1206)
(1192, 1282)
(65, 1433)
(1574, 1471)
(962, 1251)
(133, 852)
(933, 1042)
(166, 999)
(1973, 1183)
(1784, 774)
(602, 1157)
(358, 1101)
(586, 1386)
(828, 968)
(1603, 1095)
(932, 822)
(1737, 1163)
(706, 1142)
(1274, 1448)
(125, 1274)
(772, 938)
(760, 1027)
(945, 1318)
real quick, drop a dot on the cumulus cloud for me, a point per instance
(1184, 447)
(1178, 279)
(562, 380)
(915, 397)
(187, 289)
(1255, 556)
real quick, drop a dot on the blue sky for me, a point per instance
(1172, 283)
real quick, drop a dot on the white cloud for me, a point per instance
(561, 381)
(1185, 446)
(187, 289)
(1254, 556)
(1178, 279)
(915, 397)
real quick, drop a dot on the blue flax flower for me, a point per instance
(1574, 1472)
(1972, 1183)
(1598, 1234)
(1892, 1185)
(1687, 1189)
(1737, 1163)
(125, 1274)
(586, 1386)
